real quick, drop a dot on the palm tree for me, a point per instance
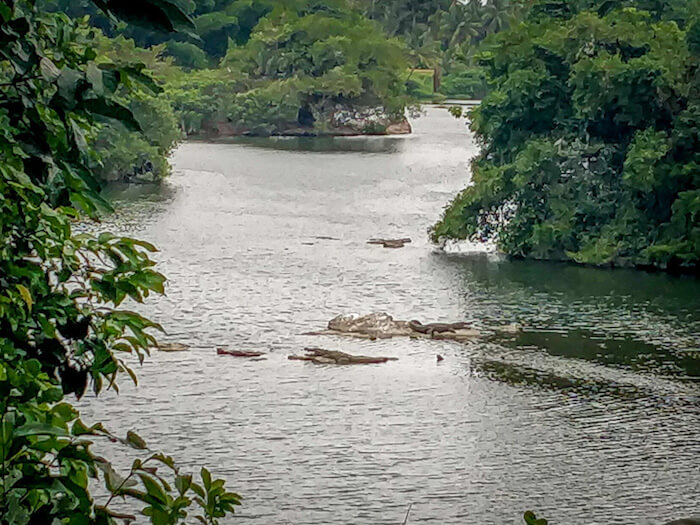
(496, 15)
(424, 52)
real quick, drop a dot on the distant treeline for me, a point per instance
(264, 66)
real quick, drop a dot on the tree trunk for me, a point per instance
(437, 79)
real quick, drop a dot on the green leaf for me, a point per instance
(150, 280)
(183, 483)
(112, 110)
(26, 295)
(135, 441)
(69, 82)
(206, 478)
(115, 482)
(153, 488)
(39, 429)
(165, 460)
(48, 69)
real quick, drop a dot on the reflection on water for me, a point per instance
(377, 144)
(590, 414)
(611, 350)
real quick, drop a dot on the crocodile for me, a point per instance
(436, 328)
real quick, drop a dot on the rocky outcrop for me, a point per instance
(320, 356)
(377, 324)
(367, 121)
(329, 119)
(384, 326)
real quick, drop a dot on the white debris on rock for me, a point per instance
(461, 246)
(360, 119)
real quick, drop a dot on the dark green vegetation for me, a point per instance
(305, 60)
(443, 35)
(262, 67)
(591, 144)
(60, 327)
(531, 519)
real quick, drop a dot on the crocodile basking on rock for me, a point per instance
(383, 326)
(436, 328)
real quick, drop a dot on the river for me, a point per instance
(589, 415)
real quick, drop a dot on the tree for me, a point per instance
(308, 55)
(215, 24)
(590, 144)
(61, 328)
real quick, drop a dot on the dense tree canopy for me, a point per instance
(255, 66)
(438, 33)
(591, 150)
(61, 326)
(443, 36)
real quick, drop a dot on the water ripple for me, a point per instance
(590, 415)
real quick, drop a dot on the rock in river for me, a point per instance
(172, 347)
(384, 326)
(238, 353)
(390, 243)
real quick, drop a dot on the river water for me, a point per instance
(589, 415)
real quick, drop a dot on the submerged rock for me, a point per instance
(172, 347)
(320, 356)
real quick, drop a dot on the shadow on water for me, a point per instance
(626, 352)
(645, 322)
(664, 291)
(138, 193)
(519, 375)
(364, 144)
(136, 205)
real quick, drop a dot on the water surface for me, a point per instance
(589, 415)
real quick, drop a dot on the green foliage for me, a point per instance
(203, 43)
(305, 55)
(61, 328)
(443, 34)
(590, 142)
(331, 52)
(188, 55)
(531, 519)
(420, 84)
(202, 96)
(122, 154)
(321, 54)
(465, 82)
